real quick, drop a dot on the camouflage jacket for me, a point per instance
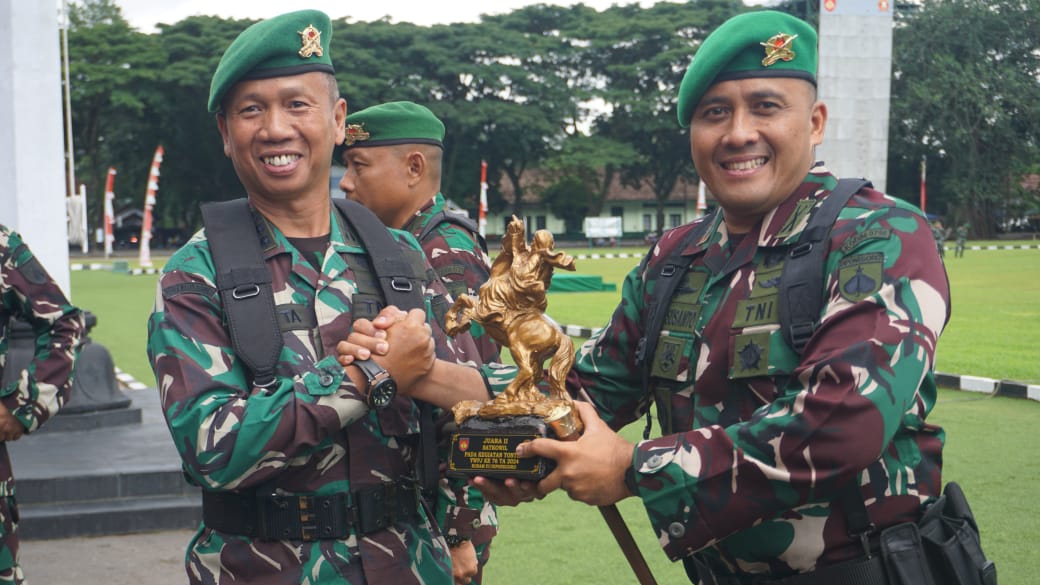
(310, 433)
(463, 266)
(28, 293)
(762, 441)
(765, 440)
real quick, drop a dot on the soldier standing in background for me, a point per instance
(393, 155)
(962, 237)
(940, 237)
(28, 293)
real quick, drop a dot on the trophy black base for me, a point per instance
(487, 447)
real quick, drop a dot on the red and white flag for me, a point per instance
(702, 201)
(482, 214)
(145, 257)
(110, 216)
(924, 184)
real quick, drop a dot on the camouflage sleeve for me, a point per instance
(29, 293)
(232, 435)
(606, 364)
(463, 266)
(860, 394)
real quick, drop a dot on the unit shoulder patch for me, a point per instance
(860, 276)
(864, 236)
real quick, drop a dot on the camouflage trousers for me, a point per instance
(10, 572)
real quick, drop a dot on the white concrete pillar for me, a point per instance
(855, 79)
(32, 164)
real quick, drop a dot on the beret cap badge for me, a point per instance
(355, 133)
(310, 39)
(778, 47)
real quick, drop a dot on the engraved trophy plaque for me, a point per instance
(511, 308)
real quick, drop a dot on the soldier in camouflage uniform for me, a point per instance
(939, 233)
(962, 238)
(393, 157)
(29, 293)
(758, 440)
(305, 479)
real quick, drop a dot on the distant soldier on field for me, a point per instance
(962, 236)
(940, 237)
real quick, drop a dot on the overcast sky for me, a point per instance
(144, 14)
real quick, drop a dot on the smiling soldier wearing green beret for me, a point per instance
(310, 470)
(770, 413)
(787, 341)
(393, 155)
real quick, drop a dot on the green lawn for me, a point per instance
(994, 332)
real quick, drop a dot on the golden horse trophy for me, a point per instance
(510, 307)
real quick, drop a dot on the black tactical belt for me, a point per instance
(310, 517)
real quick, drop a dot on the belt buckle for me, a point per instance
(308, 525)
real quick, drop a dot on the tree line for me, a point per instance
(573, 96)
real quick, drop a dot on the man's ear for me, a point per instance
(339, 114)
(819, 122)
(222, 127)
(416, 162)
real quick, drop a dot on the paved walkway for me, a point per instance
(135, 559)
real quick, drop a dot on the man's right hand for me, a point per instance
(400, 342)
(11, 429)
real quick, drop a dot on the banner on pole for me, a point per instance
(482, 214)
(145, 256)
(109, 211)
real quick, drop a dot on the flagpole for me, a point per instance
(145, 256)
(69, 150)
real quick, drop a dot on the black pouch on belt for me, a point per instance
(903, 555)
(951, 541)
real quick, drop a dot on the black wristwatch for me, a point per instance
(381, 387)
(455, 540)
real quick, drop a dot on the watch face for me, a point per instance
(382, 393)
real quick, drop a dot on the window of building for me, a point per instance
(674, 219)
(648, 222)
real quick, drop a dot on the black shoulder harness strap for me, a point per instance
(458, 219)
(801, 281)
(666, 276)
(244, 283)
(395, 274)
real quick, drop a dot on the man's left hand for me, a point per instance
(11, 429)
(463, 562)
(591, 469)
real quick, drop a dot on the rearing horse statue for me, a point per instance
(511, 308)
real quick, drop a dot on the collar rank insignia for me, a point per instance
(356, 133)
(310, 38)
(778, 47)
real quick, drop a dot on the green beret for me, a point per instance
(290, 44)
(754, 44)
(394, 123)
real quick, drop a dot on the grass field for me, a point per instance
(991, 441)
